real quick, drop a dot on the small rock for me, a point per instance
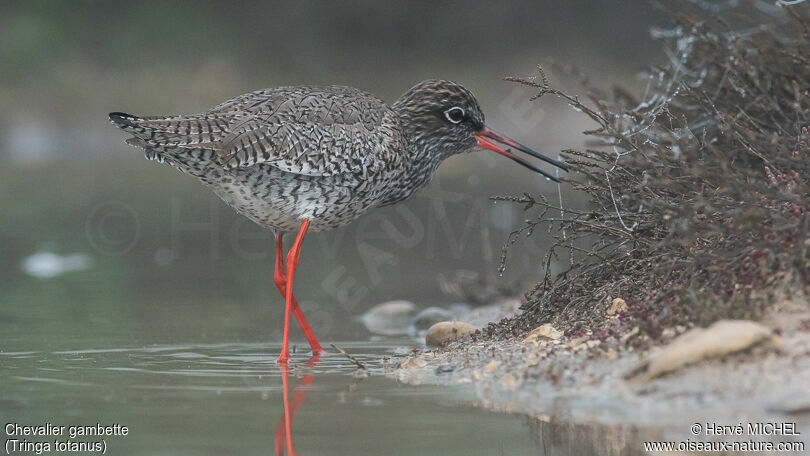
(543, 332)
(447, 331)
(722, 338)
(389, 318)
(581, 343)
(491, 366)
(618, 305)
(429, 317)
(412, 363)
(577, 342)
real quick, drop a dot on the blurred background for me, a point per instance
(100, 247)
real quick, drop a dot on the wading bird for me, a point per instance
(316, 158)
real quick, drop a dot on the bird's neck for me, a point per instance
(423, 157)
(414, 177)
(426, 160)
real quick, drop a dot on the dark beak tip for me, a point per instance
(503, 139)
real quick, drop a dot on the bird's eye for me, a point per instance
(454, 114)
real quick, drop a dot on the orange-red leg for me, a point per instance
(280, 278)
(292, 265)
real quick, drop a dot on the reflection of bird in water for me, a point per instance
(319, 157)
(283, 436)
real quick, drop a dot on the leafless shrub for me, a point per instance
(698, 191)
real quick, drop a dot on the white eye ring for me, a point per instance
(454, 114)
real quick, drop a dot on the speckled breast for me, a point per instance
(280, 200)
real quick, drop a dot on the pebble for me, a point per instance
(617, 306)
(411, 363)
(722, 338)
(390, 318)
(447, 331)
(543, 332)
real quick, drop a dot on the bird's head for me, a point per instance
(445, 118)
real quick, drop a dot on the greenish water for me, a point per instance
(228, 399)
(137, 298)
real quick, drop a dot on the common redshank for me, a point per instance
(316, 158)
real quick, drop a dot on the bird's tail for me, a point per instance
(190, 132)
(146, 133)
(127, 122)
(137, 126)
(169, 138)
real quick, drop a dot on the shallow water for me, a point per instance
(229, 399)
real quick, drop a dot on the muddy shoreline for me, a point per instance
(580, 381)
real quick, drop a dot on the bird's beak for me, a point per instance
(485, 143)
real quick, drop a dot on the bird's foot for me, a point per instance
(283, 359)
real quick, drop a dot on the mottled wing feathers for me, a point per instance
(302, 130)
(303, 148)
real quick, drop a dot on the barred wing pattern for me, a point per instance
(316, 131)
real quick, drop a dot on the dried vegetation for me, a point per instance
(698, 191)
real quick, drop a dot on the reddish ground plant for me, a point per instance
(698, 192)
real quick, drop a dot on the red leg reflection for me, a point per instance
(283, 436)
(286, 420)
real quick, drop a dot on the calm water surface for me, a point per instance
(229, 399)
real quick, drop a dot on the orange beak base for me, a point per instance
(487, 133)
